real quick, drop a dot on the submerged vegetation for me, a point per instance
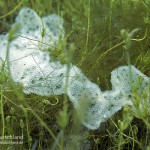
(101, 35)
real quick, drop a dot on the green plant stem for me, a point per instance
(62, 139)
(21, 98)
(13, 10)
(88, 24)
(65, 95)
(2, 116)
(110, 20)
(28, 133)
(120, 140)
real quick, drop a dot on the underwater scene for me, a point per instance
(75, 75)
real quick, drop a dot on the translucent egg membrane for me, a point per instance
(32, 67)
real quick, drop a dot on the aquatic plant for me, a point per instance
(31, 66)
(101, 38)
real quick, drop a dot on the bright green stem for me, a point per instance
(88, 25)
(2, 114)
(28, 134)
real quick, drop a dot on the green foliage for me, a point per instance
(62, 118)
(21, 124)
(92, 42)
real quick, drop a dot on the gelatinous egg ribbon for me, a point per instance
(31, 66)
